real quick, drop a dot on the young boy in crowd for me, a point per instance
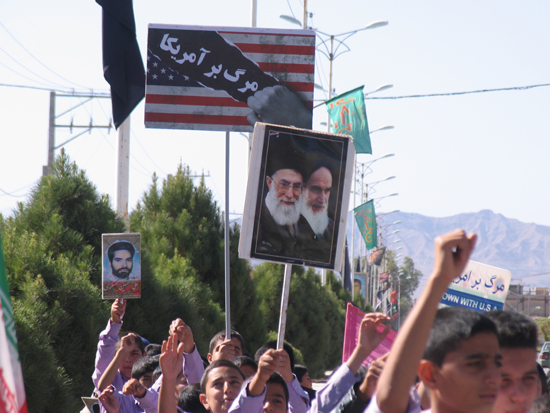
(260, 391)
(454, 350)
(517, 336)
(193, 366)
(134, 397)
(220, 383)
(298, 398)
(143, 370)
(267, 391)
(220, 348)
(248, 366)
(107, 346)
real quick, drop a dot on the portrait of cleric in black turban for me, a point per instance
(299, 197)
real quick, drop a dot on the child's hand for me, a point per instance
(108, 400)
(184, 334)
(128, 343)
(283, 366)
(117, 311)
(368, 386)
(134, 388)
(452, 252)
(267, 365)
(226, 350)
(171, 359)
(369, 337)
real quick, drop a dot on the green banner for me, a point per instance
(349, 116)
(366, 221)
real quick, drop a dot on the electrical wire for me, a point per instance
(17, 190)
(146, 153)
(28, 70)
(35, 58)
(502, 89)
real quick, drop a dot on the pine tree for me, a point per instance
(52, 253)
(182, 234)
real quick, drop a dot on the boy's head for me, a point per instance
(517, 336)
(273, 345)
(216, 351)
(303, 376)
(189, 399)
(461, 365)
(143, 370)
(137, 352)
(220, 385)
(276, 395)
(153, 349)
(248, 366)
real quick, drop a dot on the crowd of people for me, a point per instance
(443, 360)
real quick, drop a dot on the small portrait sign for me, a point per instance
(121, 265)
(297, 197)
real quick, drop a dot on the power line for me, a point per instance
(27, 69)
(503, 89)
(49, 89)
(521, 277)
(42, 64)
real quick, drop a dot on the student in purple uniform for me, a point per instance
(455, 351)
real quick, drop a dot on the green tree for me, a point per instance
(52, 252)
(406, 279)
(183, 237)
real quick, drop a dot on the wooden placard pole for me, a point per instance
(284, 306)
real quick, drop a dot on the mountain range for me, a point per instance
(522, 248)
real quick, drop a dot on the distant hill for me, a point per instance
(522, 248)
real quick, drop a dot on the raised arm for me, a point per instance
(108, 339)
(193, 367)
(170, 362)
(452, 252)
(127, 345)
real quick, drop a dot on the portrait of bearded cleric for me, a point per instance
(298, 192)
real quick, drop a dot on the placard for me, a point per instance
(121, 265)
(297, 197)
(481, 287)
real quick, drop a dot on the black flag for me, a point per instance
(122, 63)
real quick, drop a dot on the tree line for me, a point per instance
(52, 249)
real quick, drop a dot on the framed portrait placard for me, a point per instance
(297, 197)
(121, 265)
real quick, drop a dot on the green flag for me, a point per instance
(366, 221)
(349, 116)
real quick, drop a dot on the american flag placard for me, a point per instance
(202, 77)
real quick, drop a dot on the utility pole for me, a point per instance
(46, 169)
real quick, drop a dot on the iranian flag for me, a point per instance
(12, 389)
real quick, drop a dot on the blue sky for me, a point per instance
(453, 154)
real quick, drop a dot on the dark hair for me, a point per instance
(153, 349)
(273, 345)
(189, 399)
(453, 325)
(543, 379)
(300, 371)
(541, 404)
(221, 336)
(146, 364)
(514, 330)
(245, 361)
(216, 364)
(139, 340)
(157, 373)
(119, 246)
(278, 379)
